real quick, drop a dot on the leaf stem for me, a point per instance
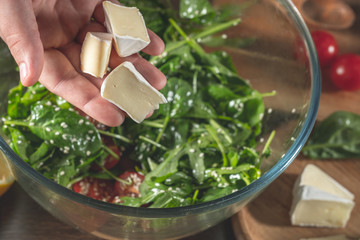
(153, 124)
(117, 136)
(115, 177)
(188, 39)
(211, 30)
(16, 122)
(268, 142)
(111, 152)
(218, 28)
(269, 94)
(195, 196)
(145, 139)
(166, 122)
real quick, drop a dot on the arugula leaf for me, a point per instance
(336, 137)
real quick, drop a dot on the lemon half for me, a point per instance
(6, 178)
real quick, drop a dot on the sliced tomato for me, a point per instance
(99, 189)
(131, 188)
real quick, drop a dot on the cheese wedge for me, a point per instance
(314, 207)
(95, 53)
(128, 28)
(334, 237)
(319, 200)
(128, 89)
(314, 176)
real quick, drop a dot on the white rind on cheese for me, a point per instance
(128, 89)
(314, 176)
(334, 237)
(128, 28)
(95, 53)
(314, 207)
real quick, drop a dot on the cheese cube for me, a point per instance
(128, 28)
(128, 89)
(335, 237)
(319, 200)
(95, 53)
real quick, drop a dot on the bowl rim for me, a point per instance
(213, 205)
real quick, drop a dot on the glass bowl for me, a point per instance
(269, 64)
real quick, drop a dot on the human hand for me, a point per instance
(45, 37)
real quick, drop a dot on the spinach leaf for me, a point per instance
(19, 143)
(195, 9)
(254, 110)
(16, 108)
(198, 147)
(179, 96)
(56, 127)
(220, 92)
(335, 137)
(168, 166)
(196, 158)
(42, 153)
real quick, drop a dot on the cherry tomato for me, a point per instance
(131, 189)
(325, 44)
(110, 161)
(326, 47)
(95, 188)
(345, 72)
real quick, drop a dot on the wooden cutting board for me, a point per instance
(267, 217)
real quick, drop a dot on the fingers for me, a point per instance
(99, 14)
(72, 53)
(154, 76)
(60, 77)
(156, 46)
(19, 30)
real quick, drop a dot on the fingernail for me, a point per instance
(23, 71)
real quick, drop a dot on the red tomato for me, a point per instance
(110, 161)
(132, 189)
(326, 47)
(345, 72)
(95, 188)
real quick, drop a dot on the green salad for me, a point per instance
(200, 146)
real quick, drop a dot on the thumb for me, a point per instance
(20, 32)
